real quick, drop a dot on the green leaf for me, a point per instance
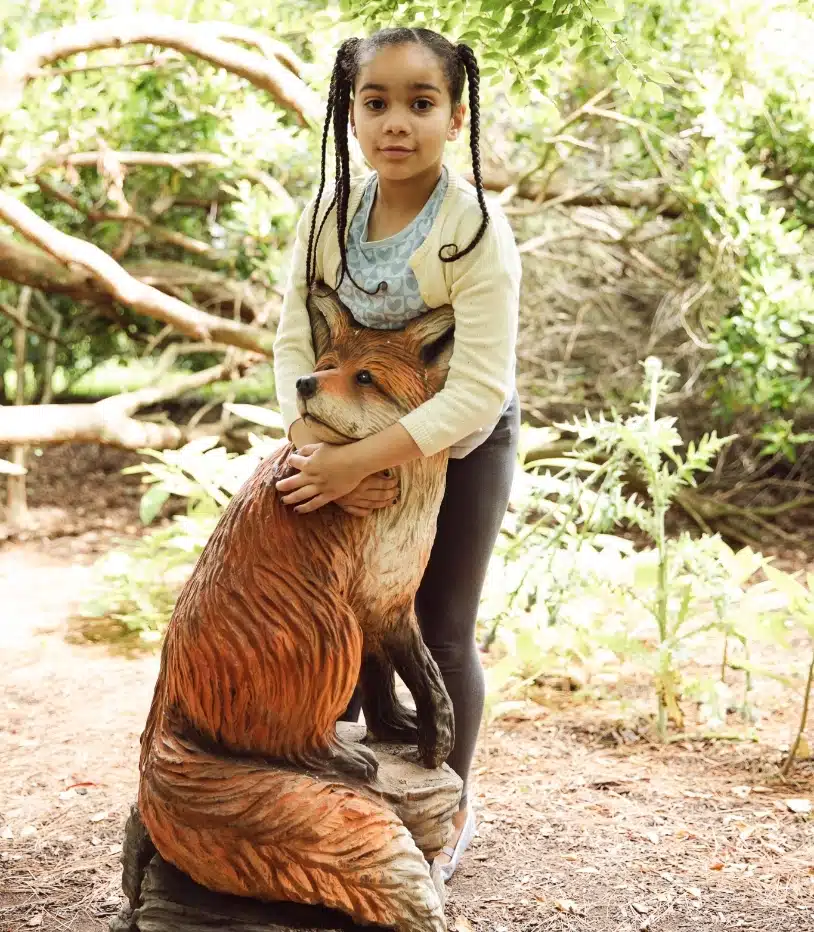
(646, 570)
(151, 503)
(788, 585)
(653, 93)
(626, 76)
(608, 14)
(256, 414)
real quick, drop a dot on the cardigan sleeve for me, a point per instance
(485, 297)
(293, 344)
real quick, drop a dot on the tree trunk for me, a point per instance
(46, 393)
(17, 499)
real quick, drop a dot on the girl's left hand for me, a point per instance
(326, 472)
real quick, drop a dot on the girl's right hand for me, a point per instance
(377, 491)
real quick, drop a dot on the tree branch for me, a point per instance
(199, 39)
(268, 46)
(177, 160)
(114, 281)
(26, 325)
(648, 195)
(109, 421)
(164, 234)
(26, 266)
(157, 61)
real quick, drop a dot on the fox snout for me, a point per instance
(306, 386)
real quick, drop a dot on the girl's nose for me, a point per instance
(396, 122)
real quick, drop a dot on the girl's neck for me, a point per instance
(408, 195)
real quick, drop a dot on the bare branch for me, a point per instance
(113, 280)
(178, 161)
(26, 325)
(199, 39)
(164, 234)
(157, 61)
(268, 46)
(650, 195)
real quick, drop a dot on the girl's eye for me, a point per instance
(423, 105)
(363, 377)
(375, 103)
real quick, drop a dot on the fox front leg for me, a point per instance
(406, 650)
(386, 717)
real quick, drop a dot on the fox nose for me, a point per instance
(307, 386)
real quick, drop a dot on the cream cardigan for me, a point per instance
(483, 288)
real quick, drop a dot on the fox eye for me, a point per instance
(363, 377)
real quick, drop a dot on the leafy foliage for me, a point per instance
(566, 594)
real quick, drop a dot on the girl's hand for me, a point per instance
(376, 491)
(326, 473)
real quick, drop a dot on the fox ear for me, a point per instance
(434, 332)
(328, 317)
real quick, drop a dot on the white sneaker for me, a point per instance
(455, 854)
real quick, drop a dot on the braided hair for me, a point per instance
(458, 63)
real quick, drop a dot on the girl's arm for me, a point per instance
(293, 344)
(485, 294)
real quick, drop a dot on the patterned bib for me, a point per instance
(388, 261)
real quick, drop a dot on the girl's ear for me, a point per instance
(457, 122)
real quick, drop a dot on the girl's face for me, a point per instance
(402, 113)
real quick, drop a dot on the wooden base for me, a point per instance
(162, 899)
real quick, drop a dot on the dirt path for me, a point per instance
(583, 826)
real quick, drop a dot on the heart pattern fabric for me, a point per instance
(386, 261)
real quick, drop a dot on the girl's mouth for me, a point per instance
(396, 152)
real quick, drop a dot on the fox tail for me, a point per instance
(251, 829)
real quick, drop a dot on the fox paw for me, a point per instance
(435, 742)
(399, 724)
(353, 759)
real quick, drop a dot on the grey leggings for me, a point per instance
(475, 500)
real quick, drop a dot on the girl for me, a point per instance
(412, 236)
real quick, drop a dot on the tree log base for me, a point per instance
(163, 899)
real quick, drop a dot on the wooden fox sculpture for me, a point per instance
(244, 784)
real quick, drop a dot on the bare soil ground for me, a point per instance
(584, 823)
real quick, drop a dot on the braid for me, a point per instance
(337, 115)
(341, 116)
(311, 259)
(467, 58)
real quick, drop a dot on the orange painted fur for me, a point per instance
(244, 784)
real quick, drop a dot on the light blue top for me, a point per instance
(388, 261)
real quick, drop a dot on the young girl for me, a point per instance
(412, 236)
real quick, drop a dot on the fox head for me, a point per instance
(366, 379)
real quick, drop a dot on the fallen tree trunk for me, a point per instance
(109, 421)
(113, 280)
(199, 39)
